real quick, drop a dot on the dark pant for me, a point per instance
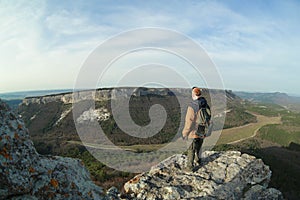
(193, 150)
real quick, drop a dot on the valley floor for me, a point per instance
(228, 136)
(241, 133)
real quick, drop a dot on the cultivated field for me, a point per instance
(238, 134)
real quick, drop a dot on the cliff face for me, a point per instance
(24, 174)
(224, 175)
(67, 98)
(104, 94)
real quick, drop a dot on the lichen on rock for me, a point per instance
(24, 174)
(223, 175)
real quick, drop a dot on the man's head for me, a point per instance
(196, 92)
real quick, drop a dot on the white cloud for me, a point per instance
(44, 46)
(24, 62)
(72, 23)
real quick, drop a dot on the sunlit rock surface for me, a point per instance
(223, 175)
(24, 174)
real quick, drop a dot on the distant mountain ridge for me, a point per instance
(13, 99)
(282, 99)
(24, 94)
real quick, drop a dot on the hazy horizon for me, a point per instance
(58, 91)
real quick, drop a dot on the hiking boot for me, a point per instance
(199, 162)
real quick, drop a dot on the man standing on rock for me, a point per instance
(194, 127)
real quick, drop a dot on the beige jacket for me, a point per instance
(190, 127)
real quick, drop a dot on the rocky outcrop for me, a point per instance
(223, 175)
(24, 174)
(101, 114)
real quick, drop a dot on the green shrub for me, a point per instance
(274, 133)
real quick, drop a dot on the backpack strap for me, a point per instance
(202, 102)
(194, 105)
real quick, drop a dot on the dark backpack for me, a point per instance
(204, 117)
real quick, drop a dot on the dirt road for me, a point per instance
(238, 134)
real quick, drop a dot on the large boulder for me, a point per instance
(24, 174)
(223, 175)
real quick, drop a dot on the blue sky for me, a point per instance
(254, 44)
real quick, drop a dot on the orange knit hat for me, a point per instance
(197, 91)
